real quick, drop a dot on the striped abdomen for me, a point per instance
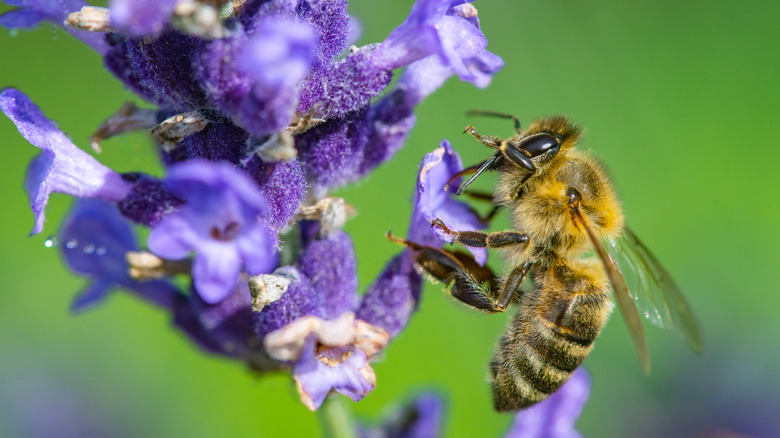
(551, 334)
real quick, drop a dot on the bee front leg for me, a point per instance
(478, 239)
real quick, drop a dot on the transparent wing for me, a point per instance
(656, 295)
(622, 295)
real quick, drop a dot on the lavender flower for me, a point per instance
(95, 239)
(262, 112)
(391, 299)
(61, 167)
(220, 222)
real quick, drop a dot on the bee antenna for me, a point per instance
(487, 165)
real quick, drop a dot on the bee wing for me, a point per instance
(625, 302)
(655, 293)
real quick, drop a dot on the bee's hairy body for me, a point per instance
(562, 205)
(559, 319)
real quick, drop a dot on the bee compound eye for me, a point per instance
(539, 144)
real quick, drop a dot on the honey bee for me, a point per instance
(563, 206)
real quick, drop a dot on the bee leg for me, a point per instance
(488, 140)
(514, 118)
(465, 279)
(478, 239)
(510, 291)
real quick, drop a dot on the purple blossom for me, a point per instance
(330, 355)
(61, 166)
(95, 239)
(276, 57)
(141, 17)
(316, 375)
(436, 27)
(391, 299)
(433, 202)
(555, 416)
(220, 222)
(279, 78)
(30, 13)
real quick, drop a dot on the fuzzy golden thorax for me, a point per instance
(542, 211)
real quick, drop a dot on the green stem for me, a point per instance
(336, 417)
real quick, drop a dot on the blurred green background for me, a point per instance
(680, 100)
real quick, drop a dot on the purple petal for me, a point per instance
(141, 17)
(62, 167)
(316, 379)
(32, 12)
(222, 220)
(393, 296)
(432, 202)
(95, 239)
(256, 250)
(554, 417)
(21, 19)
(172, 238)
(276, 58)
(215, 271)
(91, 296)
(434, 27)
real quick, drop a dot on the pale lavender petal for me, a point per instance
(221, 220)
(92, 295)
(141, 17)
(433, 202)
(62, 167)
(276, 57)
(253, 248)
(215, 271)
(554, 417)
(94, 241)
(172, 238)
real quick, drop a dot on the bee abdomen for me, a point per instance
(548, 339)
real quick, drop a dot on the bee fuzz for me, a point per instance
(91, 19)
(176, 128)
(128, 118)
(147, 266)
(267, 288)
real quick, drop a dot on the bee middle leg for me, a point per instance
(478, 239)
